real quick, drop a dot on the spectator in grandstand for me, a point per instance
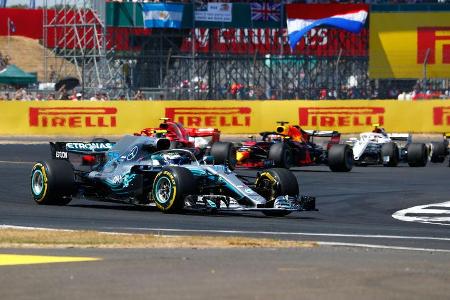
(95, 97)
(323, 94)
(38, 97)
(21, 94)
(139, 95)
(104, 97)
(260, 94)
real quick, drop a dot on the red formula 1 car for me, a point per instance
(202, 141)
(290, 146)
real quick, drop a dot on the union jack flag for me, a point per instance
(266, 11)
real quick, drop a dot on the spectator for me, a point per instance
(139, 95)
(96, 97)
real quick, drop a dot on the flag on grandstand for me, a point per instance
(265, 11)
(11, 26)
(161, 15)
(32, 4)
(303, 17)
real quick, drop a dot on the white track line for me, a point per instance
(382, 247)
(426, 218)
(399, 237)
(358, 245)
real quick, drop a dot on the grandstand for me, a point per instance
(110, 50)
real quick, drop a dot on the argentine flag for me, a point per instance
(161, 15)
(302, 18)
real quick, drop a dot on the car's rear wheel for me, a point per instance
(340, 158)
(276, 182)
(52, 182)
(170, 188)
(417, 155)
(438, 152)
(390, 154)
(281, 155)
(224, 153)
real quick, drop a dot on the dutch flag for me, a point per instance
(350, 17)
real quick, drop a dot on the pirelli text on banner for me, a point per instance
(72, 117)
(211, 116)
(339, 117)
(441, 115)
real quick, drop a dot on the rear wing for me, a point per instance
(406, 137)
(64, 150)
(335, 136)
(203, 132)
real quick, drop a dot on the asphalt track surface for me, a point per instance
(354, 207)
(364, 252)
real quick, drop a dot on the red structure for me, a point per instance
(29, 23)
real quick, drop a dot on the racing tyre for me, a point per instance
(417, 155)
(274, 182)
(281, 155)
(390, 150)
(224, 153)
(438, 152)
(52, 182)
(340, 158)
(171, 186)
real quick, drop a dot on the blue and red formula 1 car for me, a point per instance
(290, 146)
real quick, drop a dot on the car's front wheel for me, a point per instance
(276, 182)
(390, 154)
(281, 155)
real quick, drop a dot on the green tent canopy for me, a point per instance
(13, 75)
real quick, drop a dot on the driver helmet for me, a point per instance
(175, 158)
(273, 137)
(378, 129)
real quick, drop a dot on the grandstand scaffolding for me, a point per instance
(75, 30)
(255, 67)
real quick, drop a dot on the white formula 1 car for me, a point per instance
(373, 148)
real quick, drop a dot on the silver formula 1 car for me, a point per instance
(142, 170)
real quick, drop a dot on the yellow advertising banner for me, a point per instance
(400, 44)
(128, 117)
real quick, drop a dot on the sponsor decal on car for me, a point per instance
(88, 146)
(133, 153)
(61, 154)
(72, 117)
(341, 116)
(211, 116)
